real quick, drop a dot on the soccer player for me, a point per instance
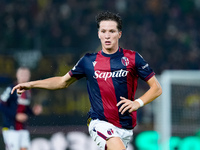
(111, 75)
(16, 110)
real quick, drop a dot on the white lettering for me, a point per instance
(96, 74)
(106, 75)
(124, 74)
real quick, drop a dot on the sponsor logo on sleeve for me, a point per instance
(145, 66)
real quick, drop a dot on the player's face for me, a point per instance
(23, 75)
(109, 35)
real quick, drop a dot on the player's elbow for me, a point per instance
(159, 90)
(69, 81)
(66, 85)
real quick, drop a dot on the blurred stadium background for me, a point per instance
(50, 36)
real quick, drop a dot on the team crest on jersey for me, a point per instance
(110, 131)
(125, 61)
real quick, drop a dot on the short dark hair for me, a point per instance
(109, 16)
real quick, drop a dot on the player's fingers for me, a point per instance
(20, 91)
(121, 102)
(122, 98)
(123, 107)
(14, 88)
(128, 107)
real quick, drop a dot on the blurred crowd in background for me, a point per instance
(51, 35)
(165, 32)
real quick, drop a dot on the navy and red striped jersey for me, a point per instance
(110, 76)
(11, 104)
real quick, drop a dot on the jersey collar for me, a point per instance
(111, 55)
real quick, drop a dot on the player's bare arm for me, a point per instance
(53, 83)
(154, 91)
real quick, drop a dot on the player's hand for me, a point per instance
(21, 117)
(127, 105)
(37, 109)
(21, 88)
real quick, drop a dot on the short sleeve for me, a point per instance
(78, 71)
(143, 68)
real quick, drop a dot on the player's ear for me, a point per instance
(120, 34)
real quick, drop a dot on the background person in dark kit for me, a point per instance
(15, 109)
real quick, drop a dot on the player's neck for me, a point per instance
(110, 51)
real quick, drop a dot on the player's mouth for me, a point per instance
(107, 42)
